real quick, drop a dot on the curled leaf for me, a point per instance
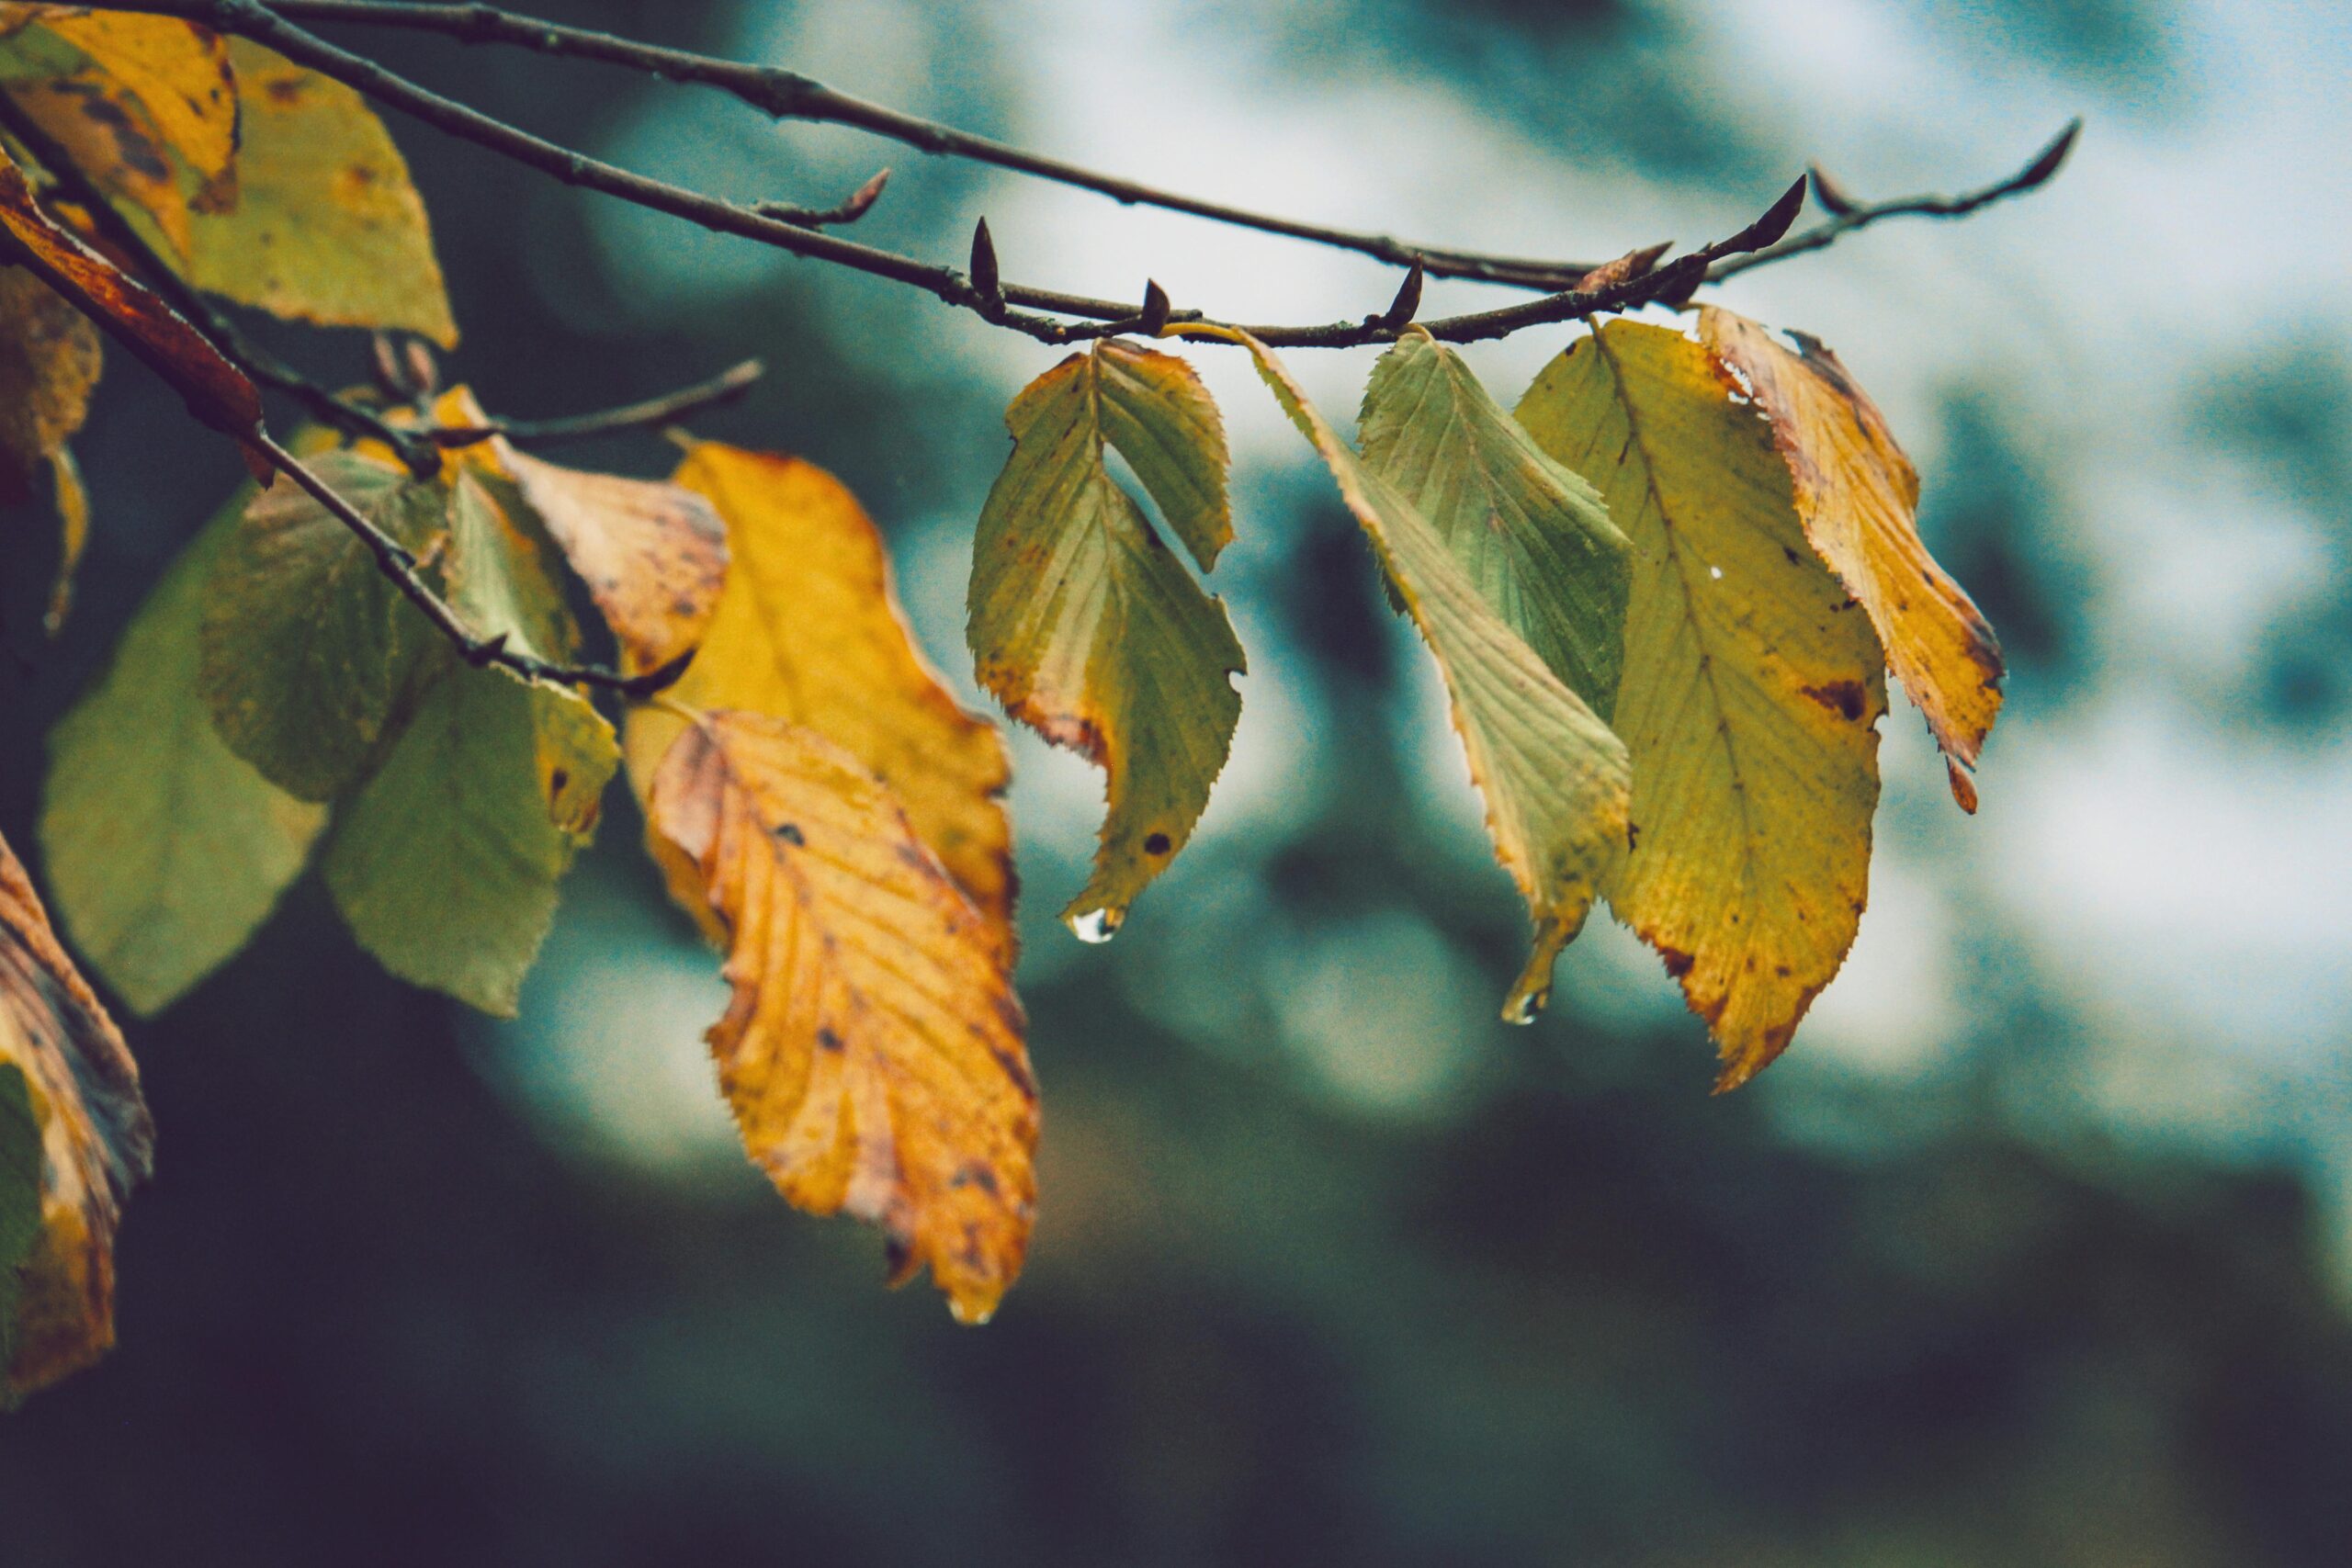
(1858, 497)
(74, 1138)
(1087, 627)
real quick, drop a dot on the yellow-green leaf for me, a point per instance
(1752, 687)
(1857, 496)
(445, 864)
(93, 1143)
(165, 850)
(873, 1052)
(1087, 627)
(809, 630)
(1554, 777)
(309, 651)
(1532, 536)
(327, 227)
(144, 105)
(178, 72)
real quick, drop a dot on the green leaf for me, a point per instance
(327, 227)
(1087, 627)
(1752, 687)
(307, 651)
(499, 576)
(1532, 536)
(1554, 776)
(165, 851)
(1164, 423)
(21, 1163)
(446, 863)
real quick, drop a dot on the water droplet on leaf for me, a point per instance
(1096, 925)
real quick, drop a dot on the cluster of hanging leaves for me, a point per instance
(1663, 595)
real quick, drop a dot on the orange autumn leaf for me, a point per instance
(809, 630)
(86, 1141)
(873, 1053)
(1857, 496)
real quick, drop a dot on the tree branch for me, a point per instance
(651, 414)
(397, 562)
(1849, 215)
(1013, 306)
(786, 94)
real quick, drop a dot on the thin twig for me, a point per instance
(1850, 215)
(786, 94)
(849, 210)
(157, 273)
(399, 563)
(649, 413)
(1014, 305)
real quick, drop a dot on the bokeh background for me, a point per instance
(2037, 1247)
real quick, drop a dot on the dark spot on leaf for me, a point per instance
(827, 1040)
(790, 833)
(1844, 696)
(1678, 963)
(974, 1174)
(556, 780)
(1156, 845)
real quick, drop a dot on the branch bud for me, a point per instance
(1407, 303)
(985, 276)
(1154, 319)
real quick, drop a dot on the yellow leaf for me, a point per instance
(873, 1052)
(1751, 693)
(1859, 497)
(50, 358)
(1087, 627)
(327, 227)
(1552, 775)
(809, 630)
(177, 72)
(94, 1142)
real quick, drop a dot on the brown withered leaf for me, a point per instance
(1857, 496)
(49, 359)
(809, 630)
(873, 1052)
(216, 392)
(95, 1140)
(653, 555)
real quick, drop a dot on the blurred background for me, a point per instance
(2036, 1248)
